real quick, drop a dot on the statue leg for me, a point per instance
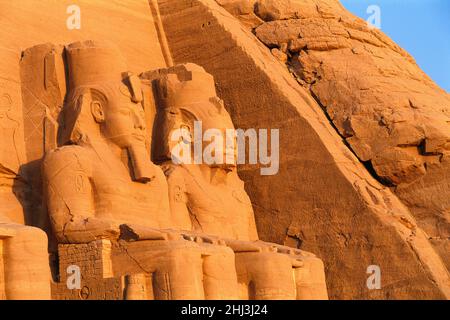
(309, 273)
(310, 280)
(180, 276)
(219, 273)
(206, 272)
(267, 275)
(180, 269)
(26, 264)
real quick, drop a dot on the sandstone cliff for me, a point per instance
(388, 111)
(364, 134)
(362, 127)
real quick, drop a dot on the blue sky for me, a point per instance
(421, 27)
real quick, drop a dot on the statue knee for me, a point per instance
(268, 275)
(180, 275)
(219, 273)
(310, 280)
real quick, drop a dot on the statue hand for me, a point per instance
(85, 230)
(136, 233)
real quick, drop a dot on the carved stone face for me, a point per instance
(124, 122)
(189, 101)
(213, 116)
(109, 112)
(219, 118)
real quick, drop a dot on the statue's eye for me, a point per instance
(126, 112)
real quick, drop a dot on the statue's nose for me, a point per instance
(140, 125)
(139, 122)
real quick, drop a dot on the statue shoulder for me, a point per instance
(175, 174)
(235, 180)
(170, 169)
(69, 158)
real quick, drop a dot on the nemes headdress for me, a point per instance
(95, 66)
(182, 92)
(93, 62)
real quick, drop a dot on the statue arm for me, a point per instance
(69, 194)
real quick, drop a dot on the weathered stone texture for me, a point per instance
(322, 198)
(364, 173)
(128, 24)
(391, 114)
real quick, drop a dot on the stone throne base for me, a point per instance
(187, 266)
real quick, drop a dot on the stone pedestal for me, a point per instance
(188, 268)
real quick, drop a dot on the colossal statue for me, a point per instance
(103, 178)
(112, 211)
(101, 187)
(207, 198)
(211, 197)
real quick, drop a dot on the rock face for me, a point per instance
(323, 198)
(391, 114)
(85, 120)
(46, 22)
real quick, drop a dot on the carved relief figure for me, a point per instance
(8, 128)
(24, 265)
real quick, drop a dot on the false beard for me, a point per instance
(141, 165)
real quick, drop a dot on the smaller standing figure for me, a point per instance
(24, 260)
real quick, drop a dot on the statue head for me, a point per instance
(104, 103)
(188, 101)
